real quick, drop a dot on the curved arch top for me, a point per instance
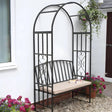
(59, 8)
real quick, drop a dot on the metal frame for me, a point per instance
(40, 39)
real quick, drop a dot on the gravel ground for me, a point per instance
(99, 104)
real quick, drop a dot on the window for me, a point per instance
(5, 37)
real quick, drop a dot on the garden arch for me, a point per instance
(48, 71)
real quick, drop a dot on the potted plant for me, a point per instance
(15, 105)
(97, 86)
(95, 16)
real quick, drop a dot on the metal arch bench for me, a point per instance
(64, 79)
(63, 75)
(52, 77)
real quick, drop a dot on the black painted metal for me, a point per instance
(47, 71)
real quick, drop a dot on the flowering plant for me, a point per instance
(95, 16)
(15, 105)
(97, 83)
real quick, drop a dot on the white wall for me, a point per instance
(19, 81)
(99, 50)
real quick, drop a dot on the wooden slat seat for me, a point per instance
(66, 86)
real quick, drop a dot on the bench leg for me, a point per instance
(52, 109)
(52, 103)
(90, 94)
(72, 94)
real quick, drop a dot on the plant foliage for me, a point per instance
(95, 16)
(98, 83)
(15, 105)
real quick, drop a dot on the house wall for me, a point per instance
(99, 49)
(19, 81)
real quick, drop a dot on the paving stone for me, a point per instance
(99, 104)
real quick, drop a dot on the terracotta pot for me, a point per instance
(93, 92)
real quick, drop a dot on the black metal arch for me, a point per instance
(41, 51)
(61, 6)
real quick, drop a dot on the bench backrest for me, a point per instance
(63, 70)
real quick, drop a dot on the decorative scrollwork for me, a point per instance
(81, 63)
(42, 73)
(42, 59)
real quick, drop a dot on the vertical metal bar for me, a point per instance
(90, 94)
(42, 43)
(81, 42)
(81, 50)
(44, 73)
(61, 70)
(55, 73)
(38, 70)
(65, 70)
(54, 70)
(85, 51)
(43, 83)
(72, 94)
(43, 92)
(49, 82)
(52, 100)
(40, 74)
(72, 52)
(47, 66)
(71, 69)
(77, 56)
(58, 71)
(90, 59)
(34, 70)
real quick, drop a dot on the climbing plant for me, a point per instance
(95, 16)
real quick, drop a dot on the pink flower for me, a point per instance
(10, 101)
(15, 102)
(98, 77)
(84, 78)
(22, 109)
(32, 107)
(26, 105)
(1, 102)
(93, 78)
(102, 79)
(27, 101)
(4, 99)
(100, 92)
(87, 73)
(19, 98)
(84, 19)
(94, 85)
(101, 84)
(9, 105)
(104, 86)
(8, 97)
